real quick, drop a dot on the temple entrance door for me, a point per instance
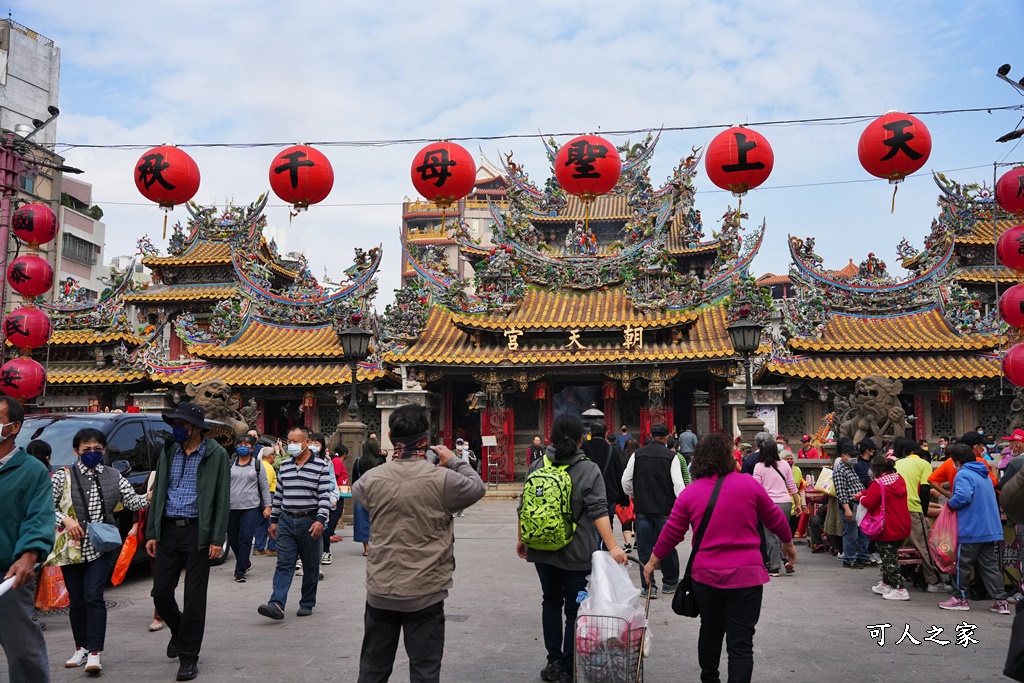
(653, 416)
(682, 399)
(499, 423)
(280, 415)
(465, 422)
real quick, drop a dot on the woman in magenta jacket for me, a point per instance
(728, 572)
(885, 480)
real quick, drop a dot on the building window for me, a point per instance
(27, 183)
(77, 249)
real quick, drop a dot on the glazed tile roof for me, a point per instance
(604, 208)
(847, 271)
(987, 274)
(925, 331)
(769, 279)
(215, 292)
(443, 343)
(986, 230)
(542, 309)
(61, 337)
(92, 375)
(265, 340)
(676, 244)
(238, 374)
(200, 252)
(846, 368)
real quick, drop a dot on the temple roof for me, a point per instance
(444, 343)
(987, 274)
(199, 252)
(923, 331)
(189, 292)
(987, 230)
(251, 375)
(92, 375)
(258, 339)
(904, 367)
(604, 208)
(543, 309)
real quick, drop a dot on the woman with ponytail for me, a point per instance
(563, 572)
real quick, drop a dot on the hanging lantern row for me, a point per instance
(1010, 252)
(1010, 191)
(34, 224)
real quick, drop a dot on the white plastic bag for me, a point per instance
(610, 582)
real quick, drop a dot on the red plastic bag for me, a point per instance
(51, 593)
(625, 514)
(124, 560)
(943, 540)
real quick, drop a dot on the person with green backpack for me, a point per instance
(561, 514)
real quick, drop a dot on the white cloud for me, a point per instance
(259, 71)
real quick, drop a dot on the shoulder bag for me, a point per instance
(874, 520)
(102, 536)
(683, 602)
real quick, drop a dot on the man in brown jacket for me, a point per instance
(411, 554)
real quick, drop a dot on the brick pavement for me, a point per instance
(812, 626)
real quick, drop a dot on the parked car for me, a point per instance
(134, 443)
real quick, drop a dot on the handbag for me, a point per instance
(683, 602)
(103, 537)
(874, 521)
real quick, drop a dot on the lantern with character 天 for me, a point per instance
(301, 175)
(894, 145)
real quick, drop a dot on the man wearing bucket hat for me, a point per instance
(188, 522)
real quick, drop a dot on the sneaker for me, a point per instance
(956, 604)
(259, 552)
(326, 559)
(628, 548)
(897, 594)
(239, 578)
(298, 569)
(304, 612)
(774, 574)
(875, 559)
(93, 666)
(668, 590)
(270, 552)
(1000, 607)
(77, 659)
(789, 568)
(853, 565)
(881, 588)
(271, 610)
(939, 588)
(819, 550)
(1014, 599)
(336, 539)
(551, 672)
(653, 591)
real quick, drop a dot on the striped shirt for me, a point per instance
(304, 489)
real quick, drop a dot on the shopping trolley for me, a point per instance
(609, 649)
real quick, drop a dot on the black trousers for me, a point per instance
(88, 611)
(731, 613)
(424, 643)
(178, 549)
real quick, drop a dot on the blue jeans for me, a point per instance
(855, 541)
(559, 589)
(294, 542)
(263, 539)
(88, 611)
(241, 527)
(648, 528)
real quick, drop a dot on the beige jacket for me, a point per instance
(411, 501)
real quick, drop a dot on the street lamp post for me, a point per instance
(745, 335)
(355, 343)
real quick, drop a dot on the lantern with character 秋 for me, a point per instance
(168, 176)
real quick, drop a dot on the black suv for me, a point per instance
(134, 443)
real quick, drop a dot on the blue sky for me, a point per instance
(252, 71)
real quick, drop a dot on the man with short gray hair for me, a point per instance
(760, 439)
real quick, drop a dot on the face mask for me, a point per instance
(181, 434)
(314, 450)
(462, 448)
(243, 451)
(92, 458)
(4, 438)
(294, 448)
(981, 431)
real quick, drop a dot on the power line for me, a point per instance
(827, 120)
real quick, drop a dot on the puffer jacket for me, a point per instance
(896, 525)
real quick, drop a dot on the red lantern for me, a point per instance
(588, 166)
(167, 175)
(443, 173)
(30, 275)
(894, 145)
(22, 378)
(35, 224)
(27, 327)
(739, 159)
(1010, 191)
(301, 175)
(1010, 248)
(1013, 365)
(1011, 306)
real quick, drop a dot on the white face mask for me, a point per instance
(294, 448)
(314, 449)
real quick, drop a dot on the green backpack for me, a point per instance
(546, 521)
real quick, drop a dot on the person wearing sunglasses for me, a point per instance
(86, 493)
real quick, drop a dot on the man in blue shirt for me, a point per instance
(623, 437)
(186, 528)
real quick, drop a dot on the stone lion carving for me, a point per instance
(214, 397)
(876, 411)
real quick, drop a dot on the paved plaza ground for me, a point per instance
(812, 628)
